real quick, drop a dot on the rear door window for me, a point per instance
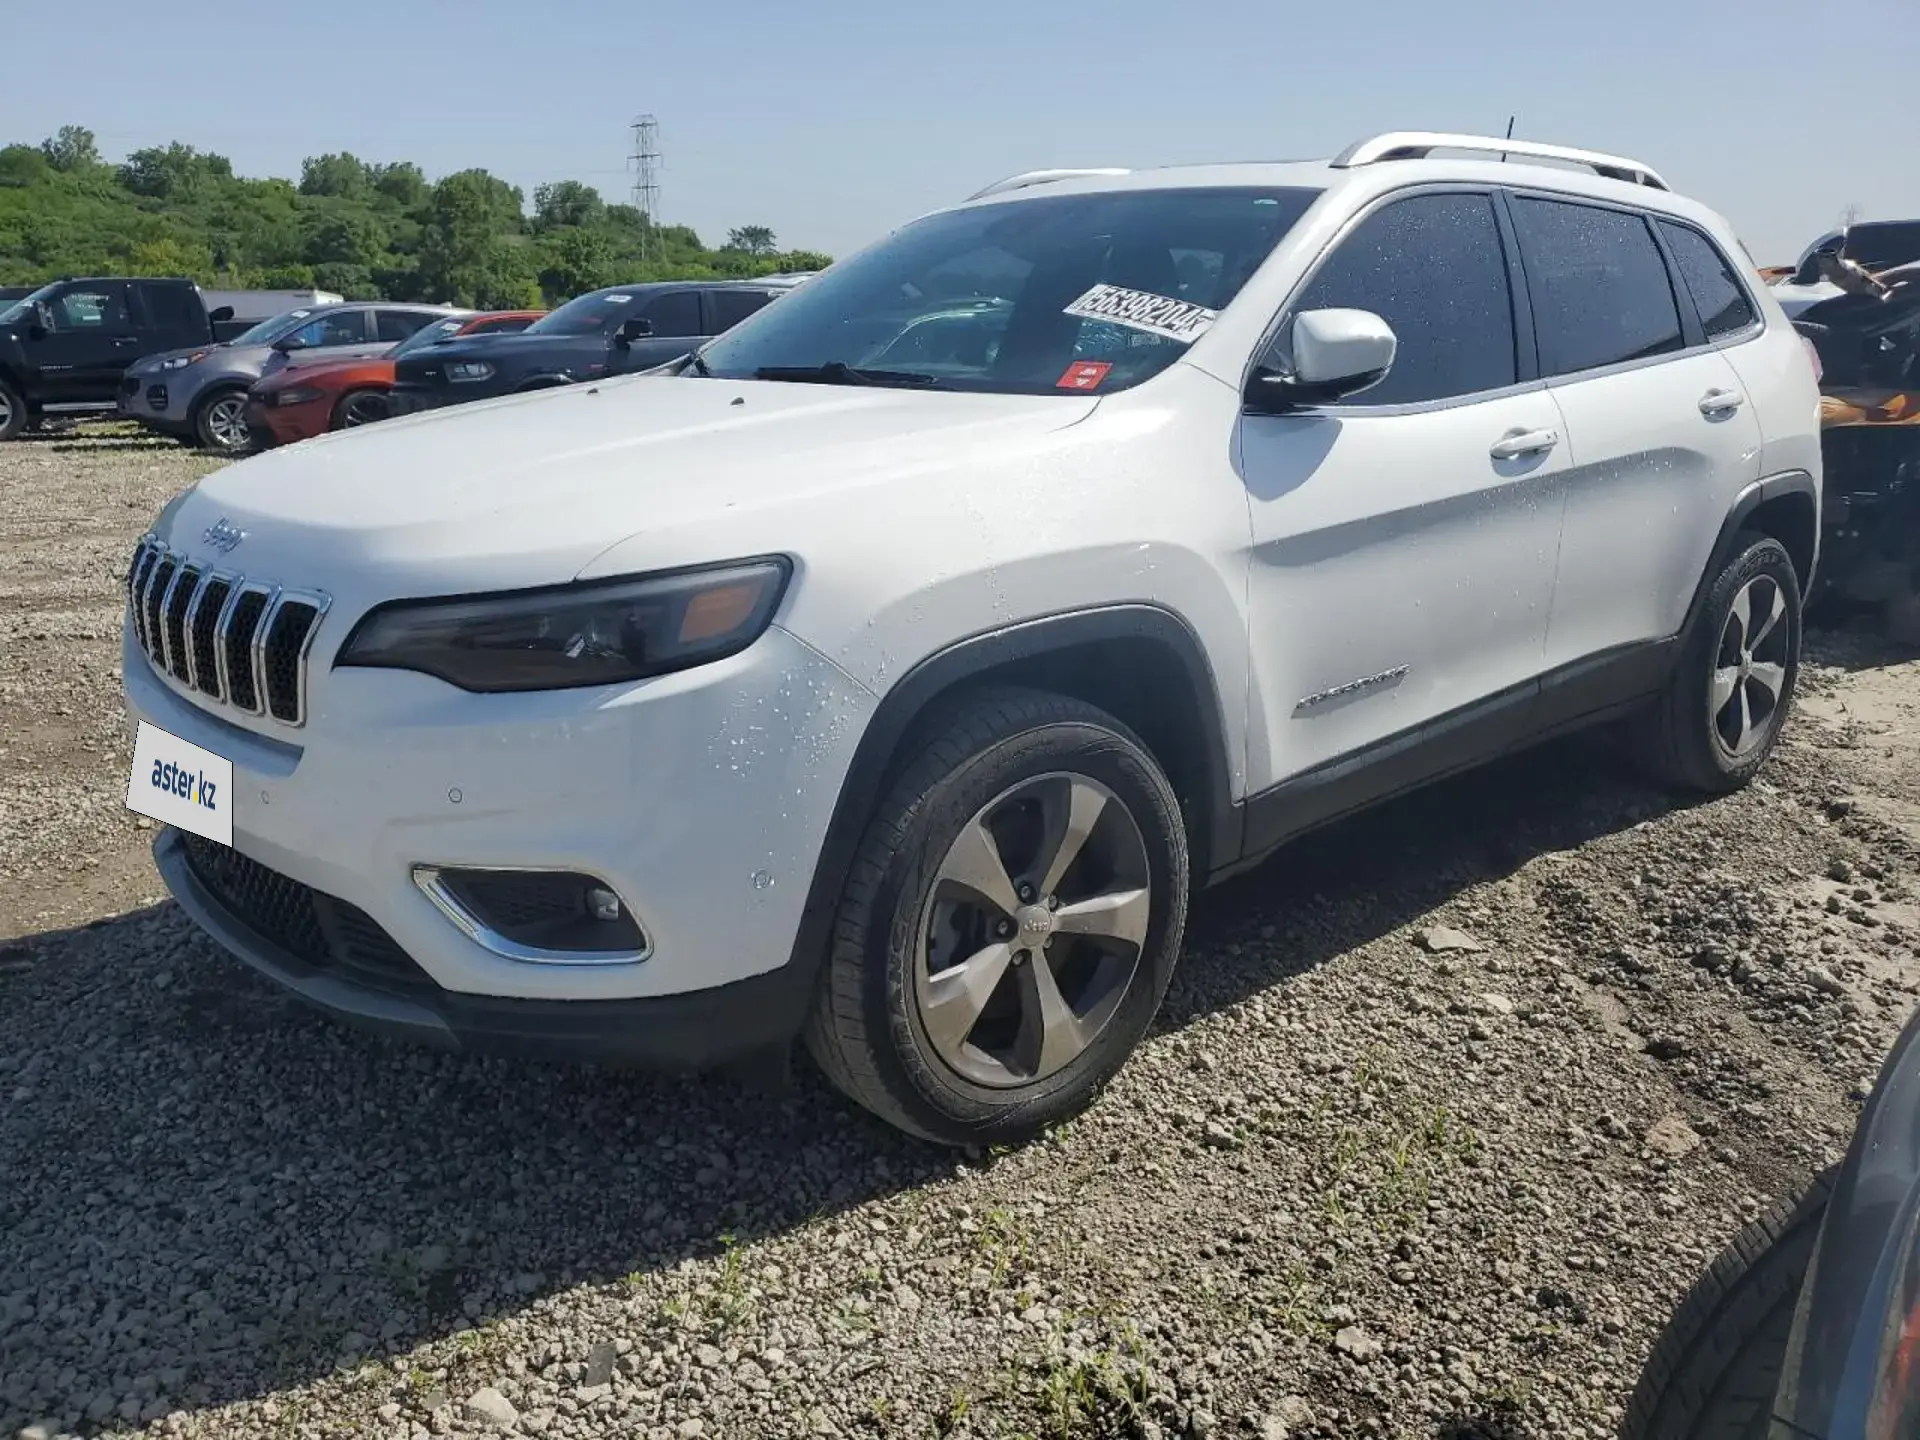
(676, 313)
(1709, 277)
(395, 325)
(174, 308)
(730, 307)
(1434, 269)
(1601, 294)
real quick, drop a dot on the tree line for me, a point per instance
(366, 230)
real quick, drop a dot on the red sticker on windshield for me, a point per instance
(1083, 375)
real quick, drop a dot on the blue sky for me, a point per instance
(834, 121)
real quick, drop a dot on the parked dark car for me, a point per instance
(1807, 1326)
(65, 345)
(607, 332)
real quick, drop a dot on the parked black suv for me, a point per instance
(67, 343)
(606, 332)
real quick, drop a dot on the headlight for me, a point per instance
(601, 633)
(298, 395)
(466, 370)
(180, 362)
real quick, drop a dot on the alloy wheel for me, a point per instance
(1750, 667)
(363, 409)
(6, 410)
(1032, 930)
(227, 422)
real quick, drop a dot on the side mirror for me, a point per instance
(36, 331)
(220, 316)
(637, 328)
(1335, 353)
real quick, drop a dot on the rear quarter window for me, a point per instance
(1719, 297)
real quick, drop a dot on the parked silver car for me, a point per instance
(201, 394)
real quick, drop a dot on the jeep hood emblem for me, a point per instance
(222, 535)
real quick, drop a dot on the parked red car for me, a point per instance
(298, 403)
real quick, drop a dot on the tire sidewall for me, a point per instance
(204, 408)
(339, 421)
(940, 1100)
(17, 412)
(1756, 556)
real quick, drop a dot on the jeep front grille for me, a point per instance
(241, 642)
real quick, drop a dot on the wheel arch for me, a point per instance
(1141, 663)
(1785, 506)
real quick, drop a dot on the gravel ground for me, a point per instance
(1446, 1108)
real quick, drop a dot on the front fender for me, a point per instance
(1853, 1361)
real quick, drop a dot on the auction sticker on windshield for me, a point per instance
(1139, 310)
(181, 785)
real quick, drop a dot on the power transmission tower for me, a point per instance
(645, 159)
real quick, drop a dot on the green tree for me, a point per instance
(402, 182)
(754, 239)
(71, 148)
(567, 202)
(574, 261)
(22, 165)
(175, 172)
(339, 175)
(462, 257)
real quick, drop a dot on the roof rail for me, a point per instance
(1041, 177)
(1418, 144)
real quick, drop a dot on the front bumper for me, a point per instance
(701, 798)
(287, 424)
(414, 399)
(691, 1031)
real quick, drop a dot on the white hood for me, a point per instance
(529, 489)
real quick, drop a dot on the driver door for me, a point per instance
(89, 338)
(1404, 538)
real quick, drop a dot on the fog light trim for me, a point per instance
(439, 884)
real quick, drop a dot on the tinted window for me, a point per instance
(730, 307)
(500, 325)
(174, 307)
(675, 313)
(1433, 269)
(1885, 244)
(91, 309)
(1717, 294)
(329, 328)
(398, 324)
(1600, 289)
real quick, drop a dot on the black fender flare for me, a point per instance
(1750, 499)
(941, 673)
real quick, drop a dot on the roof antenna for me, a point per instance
(1509, 135)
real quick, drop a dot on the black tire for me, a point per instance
(866, 1030)
(1680, 737)
(1715, 1370)
(205, 428)
(359, 407)
(13, 411)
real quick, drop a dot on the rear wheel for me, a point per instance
(1009, 925)
(1731, 690)
(220, 422)
(360, 407)
(13, 412)
(1715, 1370)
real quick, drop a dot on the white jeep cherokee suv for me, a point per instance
(889, 672)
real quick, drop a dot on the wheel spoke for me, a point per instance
(974, 863)
(1771, 678)
(1051, 1034)
(1743, 614)
(1774, 612)
(1725, 682)
(956, 996)
(1746, 722)
(1072, 808)
(1120, 915)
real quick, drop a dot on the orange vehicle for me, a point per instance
(298, 403)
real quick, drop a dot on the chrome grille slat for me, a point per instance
(243, 643)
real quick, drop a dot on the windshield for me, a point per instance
(427, 335)
(269, 330)
(1033, 296)
(20, 308)
(595, 314)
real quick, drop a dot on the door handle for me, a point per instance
(123, 340)
(1524, 442)
(1721, 402)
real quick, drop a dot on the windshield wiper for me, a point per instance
(838, 372)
